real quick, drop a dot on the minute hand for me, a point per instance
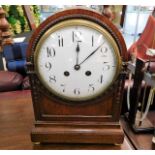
(91, 54)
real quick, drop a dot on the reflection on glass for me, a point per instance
(48, 10)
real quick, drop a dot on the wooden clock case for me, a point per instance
(58, 121)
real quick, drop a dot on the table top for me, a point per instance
(16, 121)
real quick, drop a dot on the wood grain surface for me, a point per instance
(16, 121)
(51, 108)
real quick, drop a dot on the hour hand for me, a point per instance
(77, 66)
(77, 53)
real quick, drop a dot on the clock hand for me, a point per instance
(77, 51)
(77, 66)
(91, 53)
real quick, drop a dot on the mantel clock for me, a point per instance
(76, 63)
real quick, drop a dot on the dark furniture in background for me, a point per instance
(141, 71)
(10, 81)
(123, 15)
(29, 16)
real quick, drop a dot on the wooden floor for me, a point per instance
(16, 120)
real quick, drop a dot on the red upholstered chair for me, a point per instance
(10, 81)
(146, 40)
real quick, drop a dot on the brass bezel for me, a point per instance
(79, 22)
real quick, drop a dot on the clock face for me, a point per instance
(77, 60)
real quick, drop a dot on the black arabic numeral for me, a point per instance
(48, 65)
(52, 78)
(60, 41)
(77, 91)
(106, 67)
(50, 52)
(91, 88)
(76, 36)
(104, 51)
(92, 40)
(63, 87)
(101, 79)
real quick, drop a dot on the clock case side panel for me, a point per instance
(42, 124)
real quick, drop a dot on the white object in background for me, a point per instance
(153, 139)
(150, 52)
(149, 102)
(4, 64)
(128, 91)
(18, 40)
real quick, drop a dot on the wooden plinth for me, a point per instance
(78, 134)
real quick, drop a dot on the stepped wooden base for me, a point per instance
(78, 134)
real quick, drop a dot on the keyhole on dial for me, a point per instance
(88, 73)
(66, 73)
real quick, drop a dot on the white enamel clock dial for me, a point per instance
(77, 61)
